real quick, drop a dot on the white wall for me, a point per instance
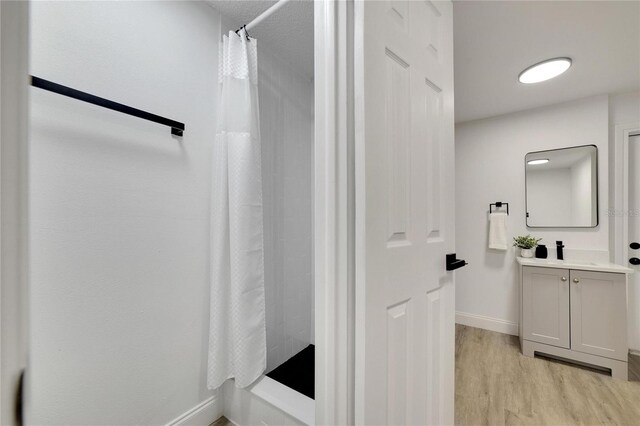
(14, 36)
(624, 109)
(286, 125)
(119, 225)
(490, 167)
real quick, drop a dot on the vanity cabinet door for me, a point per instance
(599, 314)
(545, 305)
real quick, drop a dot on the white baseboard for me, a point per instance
(487, 323)
(203, 414)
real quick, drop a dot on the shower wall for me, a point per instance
(119, 226)
(120, 213)
(287, 131)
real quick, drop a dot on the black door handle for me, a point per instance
(634, 261)
(453, 263)
(634, 245)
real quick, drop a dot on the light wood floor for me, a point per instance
(222, 421)
(497, 385)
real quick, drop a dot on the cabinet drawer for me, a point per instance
(545, 304)
(599, 314)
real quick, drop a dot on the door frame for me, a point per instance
(620, 213)
(334, 212)
(14, 87)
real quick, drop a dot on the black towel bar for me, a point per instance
(177, 128)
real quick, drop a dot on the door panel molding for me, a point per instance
(404, 162)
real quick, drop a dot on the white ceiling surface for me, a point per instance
(495, 41)
(289, 31)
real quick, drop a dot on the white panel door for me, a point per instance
(404, 212)
(599, 314)
(545, 306)
(634, 237)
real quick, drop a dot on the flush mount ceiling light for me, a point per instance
(539, 161)
(544, 70)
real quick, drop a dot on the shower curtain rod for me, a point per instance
(264, 15)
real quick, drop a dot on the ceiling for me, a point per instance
(495, 41)
(289, 31)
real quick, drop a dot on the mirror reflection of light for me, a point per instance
(539, 161)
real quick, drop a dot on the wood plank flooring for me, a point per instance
(634, 367)
(497, 385)
(222, 421)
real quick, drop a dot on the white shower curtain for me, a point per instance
(237, 335)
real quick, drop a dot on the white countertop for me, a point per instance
(582, 265)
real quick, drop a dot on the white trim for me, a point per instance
(360, 200)
(14, 157)
(620, 217)
(487, 323)
(293, 403)
(333, 213)
(203, 414)
(621, 190)
(619, 369)
(266, 403)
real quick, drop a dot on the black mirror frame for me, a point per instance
(597, 189)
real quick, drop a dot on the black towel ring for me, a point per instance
(497, 205)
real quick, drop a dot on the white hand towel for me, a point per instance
(498, 231)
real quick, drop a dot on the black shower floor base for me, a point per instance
(298, 372)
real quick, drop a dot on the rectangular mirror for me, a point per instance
(562, 187)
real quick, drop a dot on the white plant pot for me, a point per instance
(526, 252)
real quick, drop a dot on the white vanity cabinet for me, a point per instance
(545, 306)
(575, 314)
(599, 314)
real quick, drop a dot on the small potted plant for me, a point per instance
(526, 243)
